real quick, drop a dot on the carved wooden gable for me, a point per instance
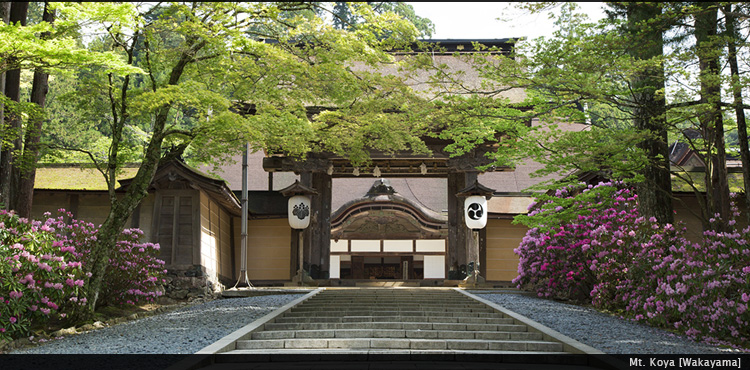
(383, 214)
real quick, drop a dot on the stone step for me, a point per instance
(402, 343)
(355, 297)
(395, 359)
(390, 312)
(326, 304)
(393, 307)
(395, 325)
(396, 318)
(431, 302)
(363, 294)
(395, 333)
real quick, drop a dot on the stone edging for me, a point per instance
(569, 344)
(205, 356)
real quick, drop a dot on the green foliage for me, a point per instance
(201, 63)
(310, 62)
(345, 18)
(22, 48)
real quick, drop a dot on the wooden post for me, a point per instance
(317, 237)
(322, 223)
(456, 254)
(483, 252)
(305, 178)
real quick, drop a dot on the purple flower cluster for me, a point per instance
(134, 274)
(619, 261)
(43, 270)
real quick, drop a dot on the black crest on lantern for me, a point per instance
(301, 211)
(475, 211)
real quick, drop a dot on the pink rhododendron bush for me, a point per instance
(43, 271)
(591, 245)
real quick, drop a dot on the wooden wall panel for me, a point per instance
(502, 238)
(225, 245)
(268, 249)
(185, 236)
(207, 237)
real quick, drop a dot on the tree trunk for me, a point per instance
(33, 134)
(655, 192)
(109, 232)
(712, 124)
(18, 11)
(122, 208)
(731, 26)
(4, 17)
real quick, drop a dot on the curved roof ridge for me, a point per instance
(420, 210)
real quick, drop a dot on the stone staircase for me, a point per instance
(395, 319)
(394, 328)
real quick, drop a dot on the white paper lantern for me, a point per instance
(475, 211)
(299, 212)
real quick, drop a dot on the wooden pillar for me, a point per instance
(73, 201)
(305, 178)
(457, 232)
(135, 218)
(483, 252)
(323, 182)
(318, 234)
(294, 261)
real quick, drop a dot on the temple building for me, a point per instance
(399, 220)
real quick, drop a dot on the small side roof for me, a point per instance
(216, 188)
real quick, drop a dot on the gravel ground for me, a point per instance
(604, 332)
(189, 329)
(183, 331)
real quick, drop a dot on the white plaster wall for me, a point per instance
(365, 245)
(434, 267)
(335, 268)
(398, 245)
(431, 245)
(340, 245)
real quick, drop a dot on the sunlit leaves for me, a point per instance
(21, 48)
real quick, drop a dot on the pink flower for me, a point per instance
(15, 295)
(745, 297)
(13, 320)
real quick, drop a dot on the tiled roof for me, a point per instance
(75, 177)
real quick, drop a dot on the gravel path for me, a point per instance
(182, 331)
(189, 329)
(606, 333)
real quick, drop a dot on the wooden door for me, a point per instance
(408, 262)
(175, 228)
(358, 267)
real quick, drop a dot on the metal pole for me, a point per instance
(301, 271)
(243, 233)
(475, 253)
